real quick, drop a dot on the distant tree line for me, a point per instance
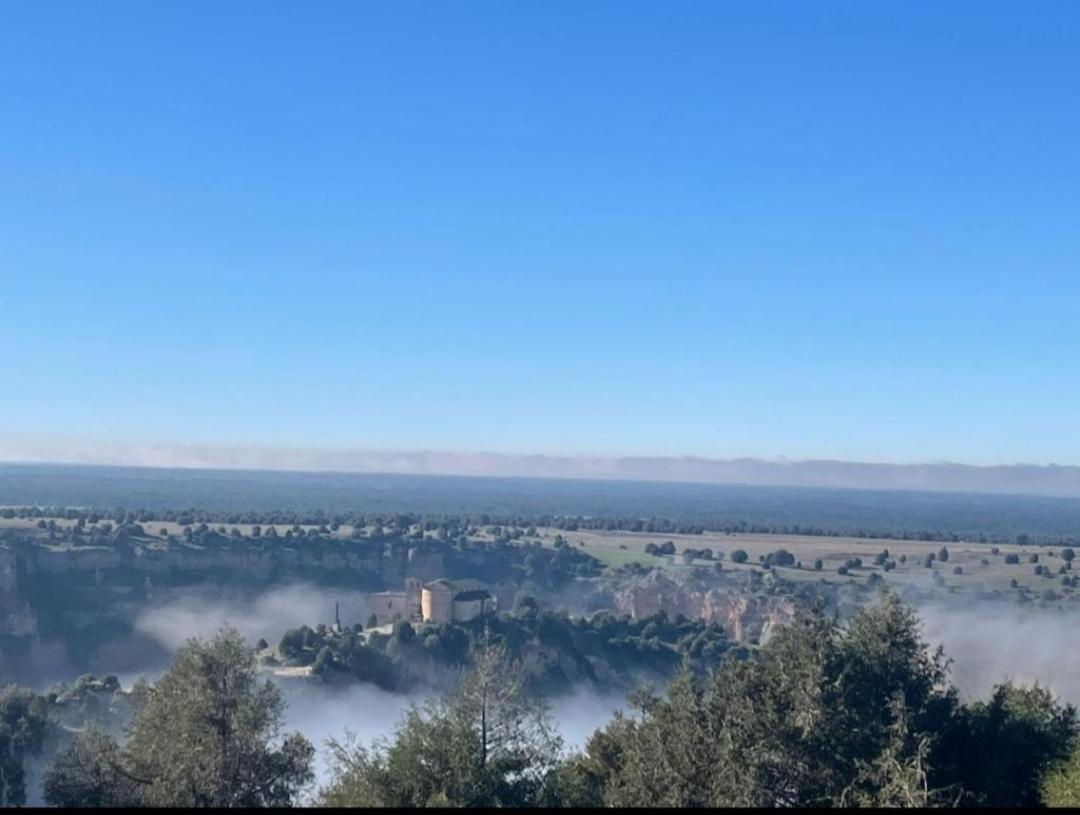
(512, 526)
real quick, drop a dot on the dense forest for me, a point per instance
(451, 525)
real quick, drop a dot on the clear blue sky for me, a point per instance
(716, 228)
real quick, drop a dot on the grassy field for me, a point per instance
(617, 548)
(980, 566)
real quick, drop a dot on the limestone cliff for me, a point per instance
(741, 603)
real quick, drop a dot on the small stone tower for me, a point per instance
(412, 598)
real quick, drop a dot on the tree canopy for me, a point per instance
(207, 734)
(486, 745)
(825, 715)
(23, 726)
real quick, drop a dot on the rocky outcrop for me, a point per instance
(739, 602)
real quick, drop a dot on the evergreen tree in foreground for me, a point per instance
(207, 734)
(23, 728)
(825, 715)
(486, 745)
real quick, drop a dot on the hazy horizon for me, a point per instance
(942, 476)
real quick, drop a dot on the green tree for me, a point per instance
(899, 776)
(292, 643)
(487, 745)
(207, 734)
(92, 772)
(581, 780)
(1006, 743)
(1061, 786)
(781, 557)
(23, 727)
(802, 723)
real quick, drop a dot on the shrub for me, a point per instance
(739, 556)
(781, 557)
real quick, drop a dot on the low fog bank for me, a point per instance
(159, 629)
(201, 612)
(323, 712)
(1019, 479)
(990, 642)
(579, 714)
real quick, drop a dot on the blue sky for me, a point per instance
(822, 229)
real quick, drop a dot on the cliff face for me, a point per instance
(737, 601)
(50, 591)
(242, 562)
(17, 618)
